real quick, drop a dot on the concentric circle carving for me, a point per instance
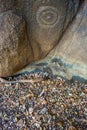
(47, 16)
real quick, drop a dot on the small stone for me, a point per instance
(30, 110)
(20, 123)
(37, 125)
(43, 111)
(82, 94)
(44, 102)
(72, 128)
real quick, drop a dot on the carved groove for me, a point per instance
(47, 16)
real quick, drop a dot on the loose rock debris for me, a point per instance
(34, 102)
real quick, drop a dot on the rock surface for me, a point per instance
(13, 45)
(71, 52)
(29, 30)
(69, 58)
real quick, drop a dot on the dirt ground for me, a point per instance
(37, 101)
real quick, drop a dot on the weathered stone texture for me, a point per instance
(30, 29)
(6, 5)
(69, 58)
(13, 43)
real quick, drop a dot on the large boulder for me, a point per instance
(69, 58)
(14, 45)
(30, 29)
(46, 22)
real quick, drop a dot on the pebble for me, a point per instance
(30, 110)
(51, 104)
(72, 128)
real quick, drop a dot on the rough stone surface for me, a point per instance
(6, 5)
(69, 58)
(13, 45)
(30, 29)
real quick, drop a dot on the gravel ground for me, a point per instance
(39, 102)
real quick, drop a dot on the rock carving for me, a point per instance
(47, 16)
(32, 29)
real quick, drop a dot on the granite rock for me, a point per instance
(31, 30)
(69, 58)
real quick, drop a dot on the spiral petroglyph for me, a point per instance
(47, 16)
